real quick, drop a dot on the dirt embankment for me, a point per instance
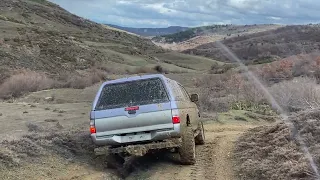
(273, 152)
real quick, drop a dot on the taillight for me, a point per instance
(175, 116)
(175, 119)
(92, 127)
(133, 108)
(93, 130)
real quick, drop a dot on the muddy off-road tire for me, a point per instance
(200, 138)
(187, 150)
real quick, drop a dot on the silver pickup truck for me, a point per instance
(146, 109)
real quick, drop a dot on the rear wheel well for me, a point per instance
(188, 120)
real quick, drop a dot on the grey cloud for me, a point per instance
(161, 13)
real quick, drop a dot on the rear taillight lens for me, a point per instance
(175, 119)
(93, 130)
(92, 127)
(133, 108)
(175, 116)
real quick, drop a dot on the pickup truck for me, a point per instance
(146, 109)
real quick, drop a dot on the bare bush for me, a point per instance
(143, 69)
(159, 69)
(146, 70)
(24, 82)
(211, 101)
(217, 68)
(297, 94)
(231, 90)
(78, 81)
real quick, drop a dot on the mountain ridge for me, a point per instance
(151, 31)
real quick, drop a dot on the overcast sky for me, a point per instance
(163, 13)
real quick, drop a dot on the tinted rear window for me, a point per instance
(132, 93)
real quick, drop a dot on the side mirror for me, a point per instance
(194, 97)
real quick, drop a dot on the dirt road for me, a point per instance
(214, 159)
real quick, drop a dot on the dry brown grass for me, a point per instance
(24, 82)
(272, 152)
(27, 81)
(77, 81)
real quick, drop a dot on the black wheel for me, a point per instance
(187, 150)
(200, 138)
(114, 161)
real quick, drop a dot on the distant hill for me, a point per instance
(194, 37)
(226, 30)
(266, 46)
(151, 31)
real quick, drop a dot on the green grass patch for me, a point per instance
(242, 116)
(262, 109)
(187, 61)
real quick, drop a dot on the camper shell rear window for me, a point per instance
(132, 93)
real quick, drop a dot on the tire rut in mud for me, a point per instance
(203, 169)
(214, 161)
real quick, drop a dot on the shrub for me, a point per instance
(77, 81)
(301, 67)
(24, 82)
(297, 94)
(145, 70)
(217, 68)
(210, 101)
(159, 69)
(277, 71)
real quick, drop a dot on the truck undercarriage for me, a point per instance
(121, 158)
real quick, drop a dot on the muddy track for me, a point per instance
(214, 159)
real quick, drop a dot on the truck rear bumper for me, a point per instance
(156, 135)
(138, 149)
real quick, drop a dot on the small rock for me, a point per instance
(1, 114)
(48, 98)
(61, 111)
(25, 112)
(50, 120)
(58, 125)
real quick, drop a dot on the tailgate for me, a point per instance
(144, 118)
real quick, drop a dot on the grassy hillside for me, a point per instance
(40, 35)
(266, 46)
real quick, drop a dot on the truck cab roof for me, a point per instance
(133, 78)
